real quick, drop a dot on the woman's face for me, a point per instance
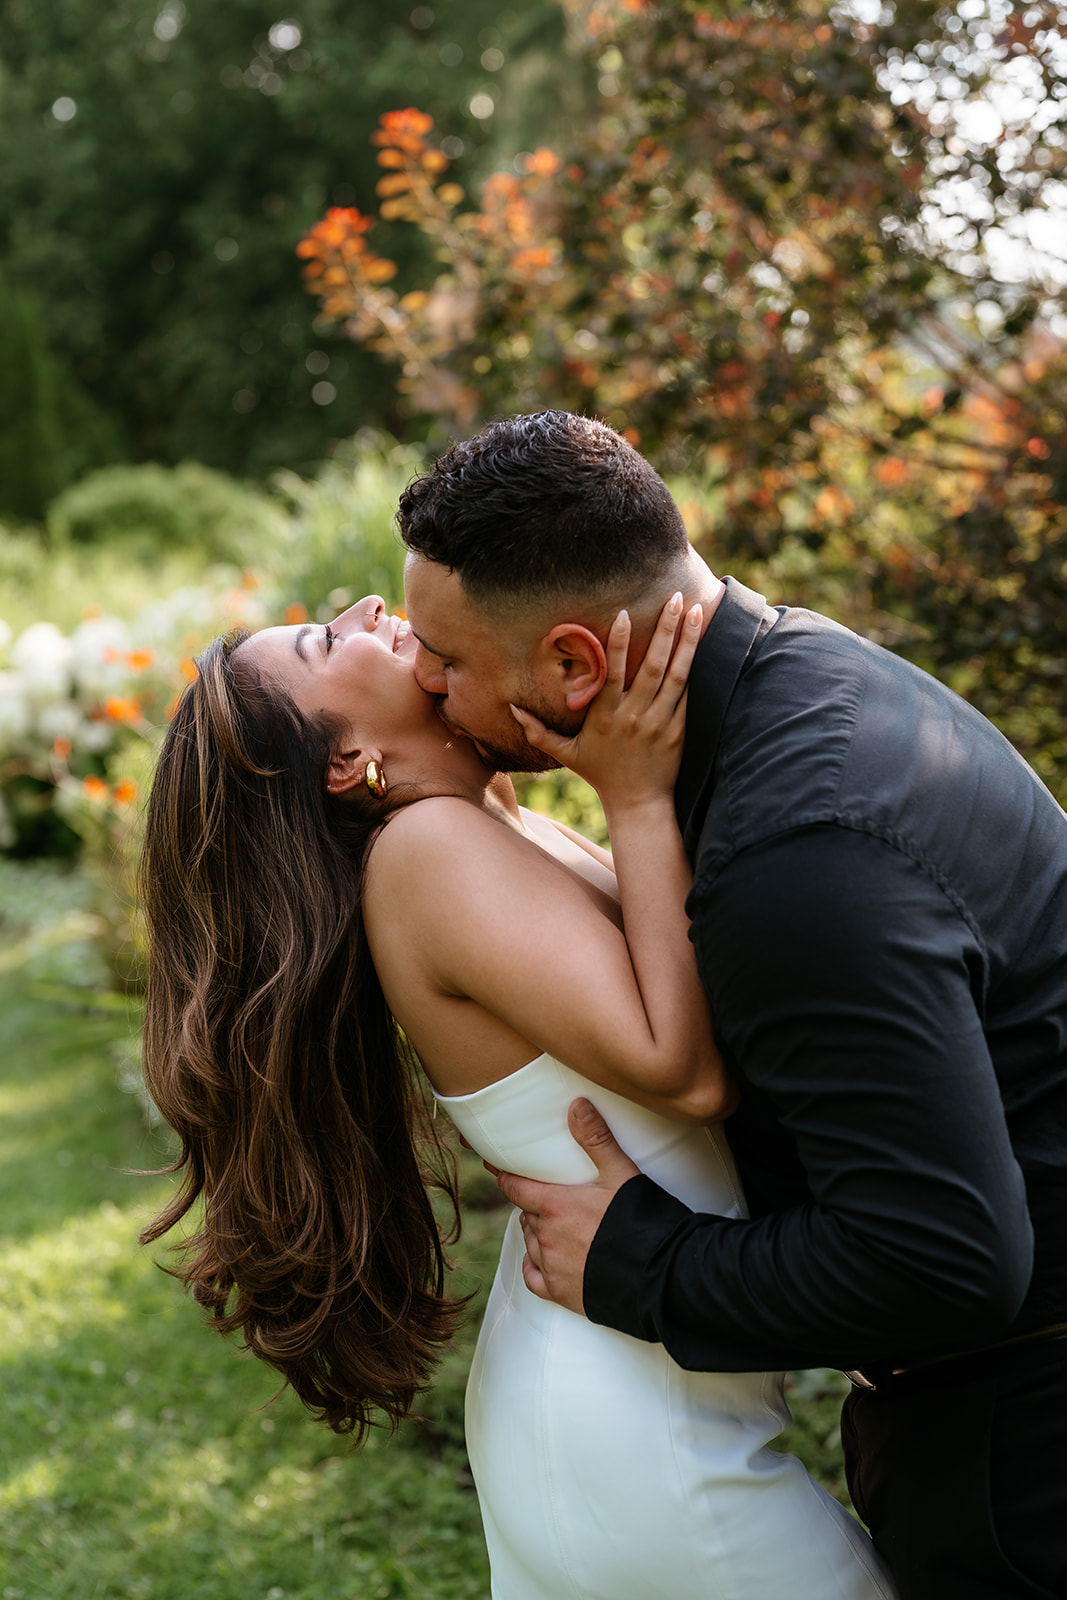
(359, 668)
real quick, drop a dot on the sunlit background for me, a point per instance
(255, 270)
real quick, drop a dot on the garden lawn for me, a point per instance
(139, 1454)
(136, 1456)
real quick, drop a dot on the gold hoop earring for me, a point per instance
(374, 778)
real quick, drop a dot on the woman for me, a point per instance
(327, 864)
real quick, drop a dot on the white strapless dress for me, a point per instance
(604, 1470)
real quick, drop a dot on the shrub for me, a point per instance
(151, 508)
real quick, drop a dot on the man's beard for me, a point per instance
(517, 754)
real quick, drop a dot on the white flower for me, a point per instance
(42, 656)
(5, 634)
(99, 648)
(61, 720)
(96, 736)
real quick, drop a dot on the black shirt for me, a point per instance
(879, 912)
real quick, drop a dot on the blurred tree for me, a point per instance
(810, 254)
(50, 430)
(161, 157)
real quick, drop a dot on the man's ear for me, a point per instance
(345, 770)
(578, 661)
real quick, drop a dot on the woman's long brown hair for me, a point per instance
(270, 1050)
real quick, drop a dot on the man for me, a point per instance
(879, 912)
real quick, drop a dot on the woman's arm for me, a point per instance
(480, 914)
(629, 749)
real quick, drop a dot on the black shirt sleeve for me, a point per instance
(847, 991)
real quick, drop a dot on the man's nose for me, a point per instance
(429, 674)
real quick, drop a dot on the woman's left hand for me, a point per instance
(630, 745)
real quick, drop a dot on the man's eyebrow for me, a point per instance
(440, 654)
(298, 642)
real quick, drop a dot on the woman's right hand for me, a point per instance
(630, 745)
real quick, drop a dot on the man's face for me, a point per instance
(466, 664)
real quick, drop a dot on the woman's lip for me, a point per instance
(402, 630)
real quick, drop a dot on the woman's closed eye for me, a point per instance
(330, 636)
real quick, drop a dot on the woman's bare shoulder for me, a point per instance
(428, 834)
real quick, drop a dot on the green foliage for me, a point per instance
(150, 508)
(162, 157)
(567, 798)
(50, 430)
(340, 541)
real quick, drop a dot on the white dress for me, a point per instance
(604, 1470)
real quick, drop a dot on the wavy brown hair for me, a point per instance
(271, 1052)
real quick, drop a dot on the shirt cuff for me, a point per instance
(631, 1236)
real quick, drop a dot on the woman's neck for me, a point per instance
(447, 764)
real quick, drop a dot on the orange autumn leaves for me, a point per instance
(508, 241)
(346, 274)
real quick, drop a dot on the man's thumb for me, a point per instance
(597, 1140)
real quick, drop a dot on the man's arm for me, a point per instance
(846, 987)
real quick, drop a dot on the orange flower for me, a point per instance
(543, 162)
(408, 122)
(379, 270)
(138, 660)
(94, 788)
(891, 471)
(62, 748)
(1038, 448)
(120, 709)
(500, 187)
(533, 259)
(125, 791)
(296, 611)
(187, 666)
(339, 226)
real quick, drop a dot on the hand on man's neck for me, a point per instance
(698, 584)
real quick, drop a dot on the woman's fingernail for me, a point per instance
(695, 617)
(675, 604)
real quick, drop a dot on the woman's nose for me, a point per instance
(366, 613)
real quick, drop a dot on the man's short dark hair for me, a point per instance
(544, 505)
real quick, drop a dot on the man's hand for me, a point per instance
(558, 1220)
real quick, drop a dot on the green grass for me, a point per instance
(140, 1458)
(140, 1455)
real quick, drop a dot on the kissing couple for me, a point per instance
(781, 1082)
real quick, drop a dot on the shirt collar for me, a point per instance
(740, 618)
